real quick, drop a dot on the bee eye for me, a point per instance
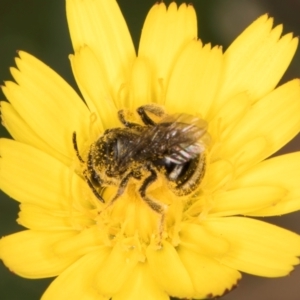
(111, 151)
(118, 149)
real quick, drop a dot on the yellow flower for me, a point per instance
(206, 238)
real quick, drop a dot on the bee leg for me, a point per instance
(85, 172)
(91, 186)
(121, 189)
(121, 116)
(154, 205)
(155, 110)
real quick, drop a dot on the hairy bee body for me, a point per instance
(172, 147)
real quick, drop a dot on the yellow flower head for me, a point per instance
(146, 190)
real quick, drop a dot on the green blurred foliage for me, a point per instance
(40, 27)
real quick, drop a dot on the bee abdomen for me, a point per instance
(186, 178)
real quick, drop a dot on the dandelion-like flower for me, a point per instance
(99, 233)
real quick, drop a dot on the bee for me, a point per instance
(173, 147)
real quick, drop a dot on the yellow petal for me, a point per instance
(115, 270)
(210, 278)
(244, 200)
(93, 84)
(169, 271)
(256, 247)
(30, 216)
(282, 171)
(100, 26)
(42, 99)
(37, 218)
(141, 285)
(196, 238)
(77, 281)
(30, 253)
(85, 241)
(256, 60)
(141, 91)
(226, 117)
(165, 33)
(21, 132)
(218, 174)
(194, 79)
(287, 204)
(274, 118)
(31, 176)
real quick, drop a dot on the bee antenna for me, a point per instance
(74, 139)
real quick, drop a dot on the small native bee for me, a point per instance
(173, 146)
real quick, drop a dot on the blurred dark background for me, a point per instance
(39, 27)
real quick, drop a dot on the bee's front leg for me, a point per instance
(121, 189)
(92, 187)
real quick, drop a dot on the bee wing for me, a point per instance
(176, 138)
(183, 118)
(185, 134)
